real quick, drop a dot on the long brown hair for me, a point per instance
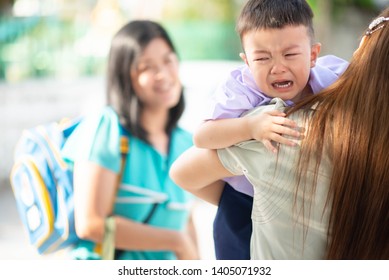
(351, 123)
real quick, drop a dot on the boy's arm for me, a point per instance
(222, 133)
(265, 127)
(224, 127)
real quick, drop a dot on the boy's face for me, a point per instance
(280, 60)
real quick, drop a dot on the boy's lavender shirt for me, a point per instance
(239, 93)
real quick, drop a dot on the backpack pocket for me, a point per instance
(42, 186)
(33, 201)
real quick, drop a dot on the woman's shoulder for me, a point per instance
(275, 104)
(102, 119)
(96, 139)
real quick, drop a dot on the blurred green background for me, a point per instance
(70, 38)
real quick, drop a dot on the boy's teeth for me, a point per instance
(283, 84)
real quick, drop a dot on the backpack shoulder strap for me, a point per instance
(124, 150)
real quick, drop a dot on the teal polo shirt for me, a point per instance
(145, 179)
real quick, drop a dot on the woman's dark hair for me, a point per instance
(126, 47)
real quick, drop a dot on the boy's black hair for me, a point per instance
(264, 14)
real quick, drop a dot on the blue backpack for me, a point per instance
(42, 184)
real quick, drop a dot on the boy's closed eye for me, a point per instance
(291, 55)
(261, 59)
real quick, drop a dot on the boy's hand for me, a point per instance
(271, 126)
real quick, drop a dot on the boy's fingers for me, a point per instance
(284, 121)
(269, 146)
(276, 117)
(284, 130)
(282, 140)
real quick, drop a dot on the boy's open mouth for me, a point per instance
(283, 84)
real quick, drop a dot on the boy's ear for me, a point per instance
(315, 51)
(360, 44)
(244, 58)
